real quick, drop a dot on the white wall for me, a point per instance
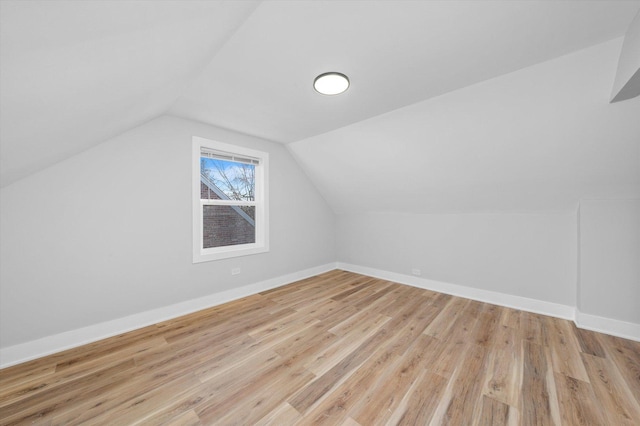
(610, 259)
(627, 82)
(537, 139)
(442, 185)
(527, 255)
(107, 233)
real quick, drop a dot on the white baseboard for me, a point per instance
(604, 325)
(626, 330)
(493, 297)
(27, 351)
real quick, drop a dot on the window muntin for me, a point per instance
(230, 201)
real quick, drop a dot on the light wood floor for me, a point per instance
(337, 349)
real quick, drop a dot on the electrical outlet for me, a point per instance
(235, 271)
(416, 272)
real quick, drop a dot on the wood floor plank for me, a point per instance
(256, 401)
(44, 405)
(318, 388)
(239, 367)
(486, 328)
(511, 318)
(613, 395)
(538, 403)
(73, 370)
(188, 418)
(533, 328)
(564, 348)
(212, 393)
(336, 349)
(421, 400)
(306, 343)
(284, 414)
(141, 380)
(464, 329)
(401, 298)
(210, 396)
(382, 289)
(504, 368)
(336, 405)
(360, 287)
(463, 404)
(180, 409)
(308, 296)
(626, 355)
(576, 399)
(374, 375)
(360, 321)
(448, 360)
(328, 357)
(588, 340)
(350, 422)
(23, 375)
(141, 406)
(440, 327)
(493, 413)
(387, 394)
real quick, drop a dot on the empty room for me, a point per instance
(309, 212)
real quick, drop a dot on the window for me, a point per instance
(230, 209)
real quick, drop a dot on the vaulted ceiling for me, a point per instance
(74, 74)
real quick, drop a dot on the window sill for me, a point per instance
(227, 252)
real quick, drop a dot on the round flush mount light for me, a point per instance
(331, 83)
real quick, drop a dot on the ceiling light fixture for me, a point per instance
(331, 83)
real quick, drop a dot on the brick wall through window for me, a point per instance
(225, 225)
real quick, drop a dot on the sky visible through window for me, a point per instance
(236, 180)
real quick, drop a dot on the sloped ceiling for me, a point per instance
(74, 74)
(395, 54)
(536, 140)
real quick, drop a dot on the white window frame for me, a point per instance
(261, 203)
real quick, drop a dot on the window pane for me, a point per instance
(227, 180)
(228, 225)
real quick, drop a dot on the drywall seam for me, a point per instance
(27, 351)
